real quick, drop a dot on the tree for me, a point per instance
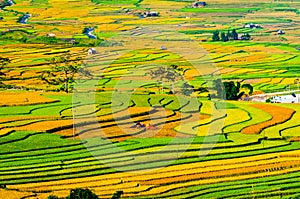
(246, 37)
(63, 71)
(117, 195)
(249, 87)
(166, 74)
(230, 90)
(3, 63)
(229, 35)
(235, 35)
(81, 193)
(187, 89)
(52, 197)
(216, 36)
(219, 87)
(224, 37)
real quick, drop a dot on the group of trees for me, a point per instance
(3, 63)
(233, 35)
(80, 193)
(231, 90)
(5, 3)
(63, 71)
(170, 75)
(166, 74)
(65, 68)
(24, 36)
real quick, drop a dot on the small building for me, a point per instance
(163, 48)
(199, 4)
(92, 51)
(51, 35)
(150, 14)
(251, 25)
(280, 32)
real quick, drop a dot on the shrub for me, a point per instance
(81, 193)
(52, 197)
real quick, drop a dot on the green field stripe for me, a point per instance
(133, 166)
(219, 10)
(218, 189)
(257, 116)
(51, 109)
(19, 123)
(16, 136)
(291, 131)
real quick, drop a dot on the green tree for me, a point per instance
(52, 197)
(166, 74)
(216, 36)
(187, 89)
(235, 35)
(230, 90)
(246, 37)
(3, 63)
(117, 195)
(63, 71)
(219, 87)
(249, 87)
(224, 37)
(80, 193)
(229, 35)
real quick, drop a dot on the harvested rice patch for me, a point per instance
(279, 115)
(23, 98)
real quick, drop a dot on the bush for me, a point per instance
(15, 36)
(44, 40)
(52, 197)
(117, 195)
(81, 193)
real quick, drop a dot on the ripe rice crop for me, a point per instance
(279, 115)
(23, 98)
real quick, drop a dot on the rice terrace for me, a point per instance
(149, 99)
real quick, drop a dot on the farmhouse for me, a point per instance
(280, 32)
(150, 14)
(286, 99)
(50, 35)
(199, 4)
(163, 48)
(252, 26)
(92, 51)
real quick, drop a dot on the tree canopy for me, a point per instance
(169, 74)
(231, 90)
(63, 71)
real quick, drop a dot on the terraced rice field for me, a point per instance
(192, 146)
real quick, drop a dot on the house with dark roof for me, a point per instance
(199, 4)
(280, 32)
(92, 51)
(149, 14)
